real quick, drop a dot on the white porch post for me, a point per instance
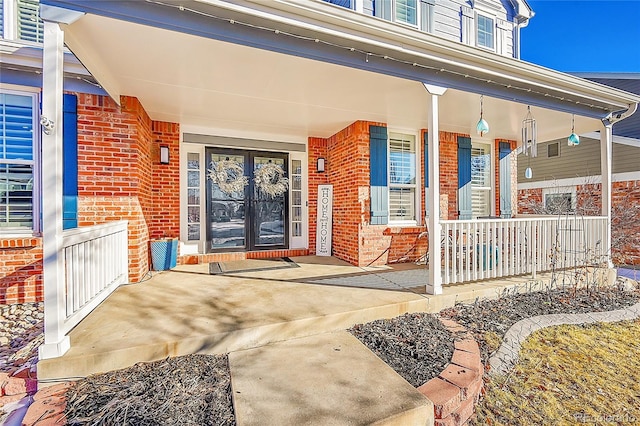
(434, 283)
(606, 155)
(55, 341)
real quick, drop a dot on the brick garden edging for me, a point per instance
(456, 391)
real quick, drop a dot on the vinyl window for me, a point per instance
(19, 145)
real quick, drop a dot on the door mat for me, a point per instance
(251, 265)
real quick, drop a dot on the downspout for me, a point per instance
(614, 117)
(606, 163)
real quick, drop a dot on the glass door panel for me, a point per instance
(227, 210)
(269, 210)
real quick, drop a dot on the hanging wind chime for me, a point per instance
(529, 140)
(482, 127)
(573, 139)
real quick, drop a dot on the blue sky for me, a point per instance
(583, 35)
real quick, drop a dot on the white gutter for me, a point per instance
(390, 37)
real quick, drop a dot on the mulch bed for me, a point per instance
(417, 346)
(489, 320)
(186, 390)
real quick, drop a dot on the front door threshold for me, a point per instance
(195, 259)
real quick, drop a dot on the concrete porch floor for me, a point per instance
(186, 310)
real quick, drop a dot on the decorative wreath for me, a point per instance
(229, 176)
(270, 179)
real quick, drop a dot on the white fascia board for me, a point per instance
(31, 57)
(377, 33)
(94, 64)
(622, 140)
(576, 181)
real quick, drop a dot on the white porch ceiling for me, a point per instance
(207, 84)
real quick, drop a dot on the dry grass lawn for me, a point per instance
(570, 375)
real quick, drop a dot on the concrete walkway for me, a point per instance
(328, 379)
(507, 355)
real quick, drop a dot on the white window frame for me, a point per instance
(10, 24)
(299, 242)
(36, 227)
(561, 190)
(395, 19)
(191, 246)
(493, 30)
(492, 174)
(418, 181)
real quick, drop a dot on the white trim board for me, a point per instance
(616, 177)
(622, 140)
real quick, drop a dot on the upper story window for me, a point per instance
(18, 150)
(402, 177)
(406, 11)
(485, 32)
(21, 20)
(344, 3)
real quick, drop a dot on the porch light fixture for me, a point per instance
(164, 154)
(320, 165)
(482, 127)
(529, 135)
(573, 139)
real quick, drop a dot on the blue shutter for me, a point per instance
(464, 178)
(70, 162)
(378, 175)
(505, 179)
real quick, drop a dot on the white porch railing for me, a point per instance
(491, 248)
(95, 263)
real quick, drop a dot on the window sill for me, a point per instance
(404, 230)
(19, 241)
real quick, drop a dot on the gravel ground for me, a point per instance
(20, 335)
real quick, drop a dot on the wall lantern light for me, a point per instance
(320, 165)
(164, 154)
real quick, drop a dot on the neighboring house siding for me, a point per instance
(576, 161)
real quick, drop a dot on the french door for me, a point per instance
(245, 216)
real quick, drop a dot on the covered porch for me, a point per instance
(187, 311)
(294, 74)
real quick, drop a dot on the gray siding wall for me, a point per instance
(576, 161)
(447, 20)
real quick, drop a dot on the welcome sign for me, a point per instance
(324, 220)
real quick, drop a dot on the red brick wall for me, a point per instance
(164, 217)
(20, 270)
(354, 239)
(449, 171)
(528, 198)
(120, 176)
(317, 148)
(589, 198)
